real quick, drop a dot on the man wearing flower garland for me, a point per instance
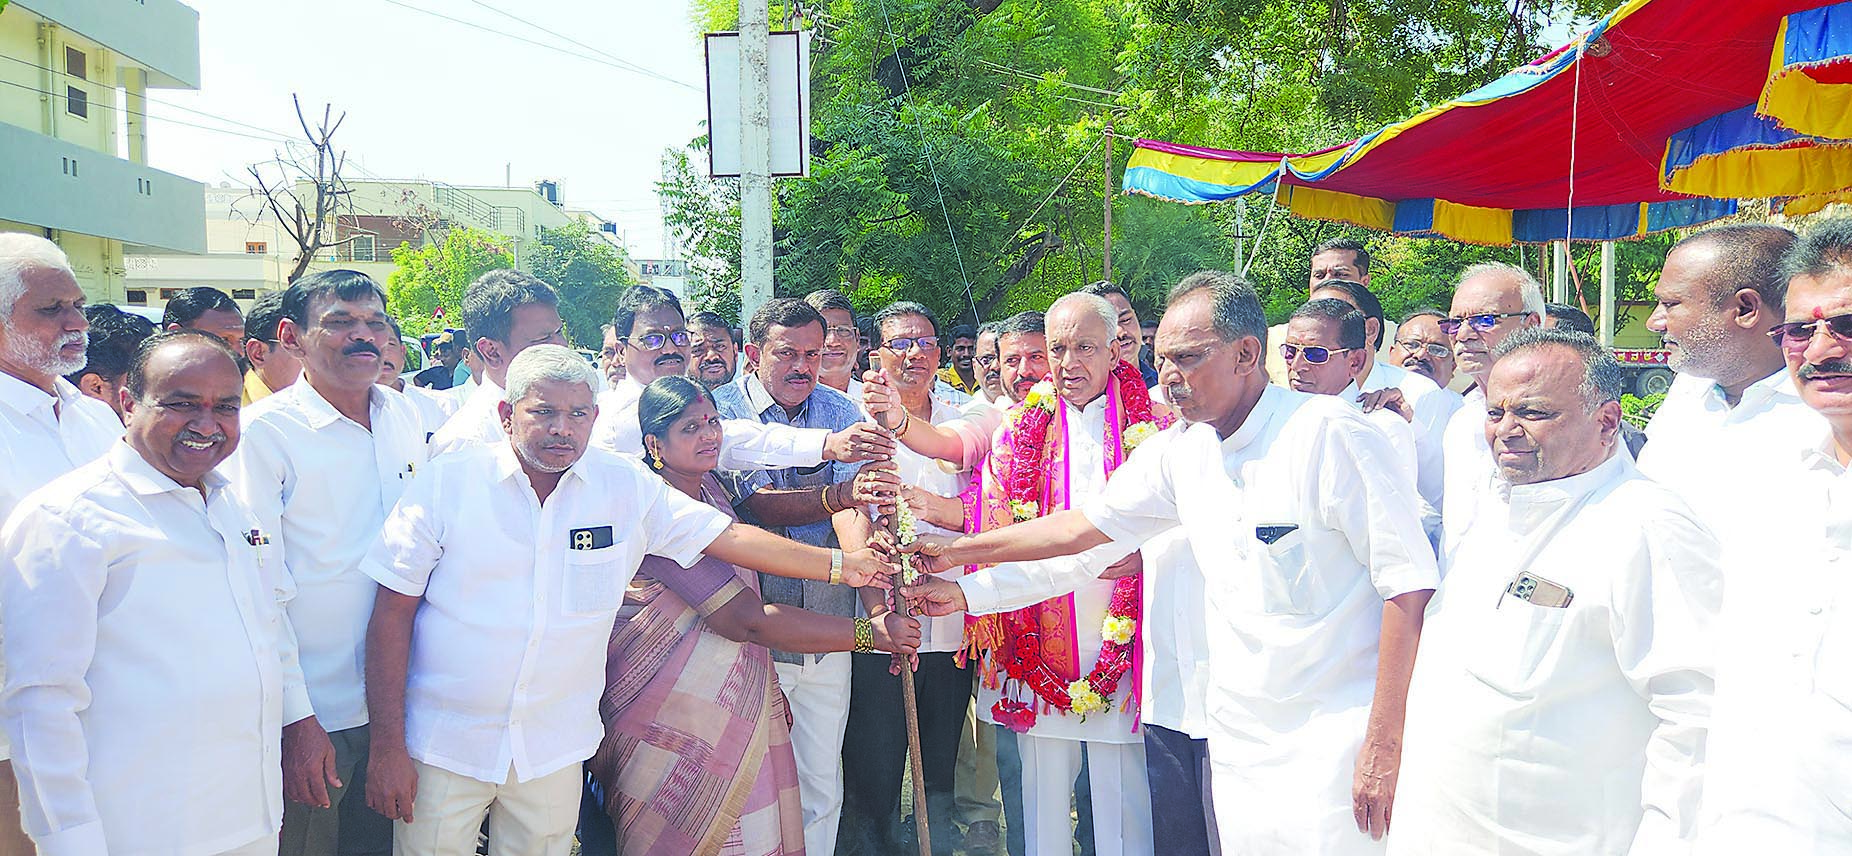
(1323, 574)
(1058, 672)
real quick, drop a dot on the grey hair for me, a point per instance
(1529, 289)
(1236, 307)
(1603, 380)
(544, 363)
(1826, 249)
(21, 252)
(1092, 302)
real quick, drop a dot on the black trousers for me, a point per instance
(1182, 814)
(874, 752)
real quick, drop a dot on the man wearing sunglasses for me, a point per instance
(1492, 301)
(1783, 717)
(1427, 405)
(655, 339)
(1421, 347)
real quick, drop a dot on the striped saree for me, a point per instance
(696, 758)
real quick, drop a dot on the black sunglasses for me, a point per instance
(1796, 335)
(1482, 322)
(1314, 354)
(655, 341)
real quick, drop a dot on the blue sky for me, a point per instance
(434, 99)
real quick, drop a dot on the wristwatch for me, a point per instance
(835, 567)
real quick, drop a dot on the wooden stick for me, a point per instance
(910, 703)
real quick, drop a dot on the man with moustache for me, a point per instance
(1492, 301)
(1336, 259)
(1421, 348)
(1562, 697)
(207, 310)
(500, 574)
(713, 355)
(989, 377)
(1022, 349)
(268, 367)
(504, 313)
(149, 661)
(1775, 778)
(434, 406)
(1426, 406)
(1326, 348)
(958, 374)
(1130, 332)
(655, 343)
(320, 465)
(446, 353)
(1321, 577)
(837, 370)
(785, 342)
(47, 426)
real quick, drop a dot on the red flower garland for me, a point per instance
(1021, 656)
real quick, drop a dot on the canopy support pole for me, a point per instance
(1607, 294)
(1559, 272)
(1106, 245)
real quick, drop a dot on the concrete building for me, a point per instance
(74, 78)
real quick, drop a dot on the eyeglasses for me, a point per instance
(845, 332)
(1434, 349)
(1314, 354)
(1482, 322)
(192, 409)
(1795, 336)
(655, 341)
(903, 344)
(986, 360)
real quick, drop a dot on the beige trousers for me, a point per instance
(534, 818)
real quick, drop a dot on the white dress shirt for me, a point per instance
(1577, 729)
(43, 437)
(745, 444)
(1775, 778)
(1077, 575)
(947, 632)
(1470, 471)
(478, 422)
(321, 485)
(1433, 408)
(508, 649)
(147, 666)
(1307, 532)
(1697, 444)
(434, 406)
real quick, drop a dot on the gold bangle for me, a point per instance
(827, 507)
(864, 636)
(906, 421)
(835, 567)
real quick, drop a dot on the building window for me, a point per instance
(76, 64)
(170, 293)
(244, 294)
(77, 102)
(137, 297)
(361, 250)
(256, 248)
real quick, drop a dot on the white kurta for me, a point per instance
(1308, 532)
(149, 664)
(1565, 730)
(1470, 471)
(745, 444)
(1433, 407)
(476, 422)
(1776, 778)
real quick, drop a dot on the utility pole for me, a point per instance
(1106, 199)
(755, 157)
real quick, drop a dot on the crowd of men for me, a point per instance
(1346, 584)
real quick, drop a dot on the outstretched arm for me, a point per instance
(1063, 533)
(759, 550)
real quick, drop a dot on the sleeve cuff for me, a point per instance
(82, 840)
(981, 595)
(385, 577)
(807, 448)
(296, 704)
(1409, 578)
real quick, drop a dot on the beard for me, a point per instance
(1701, 351)
(49, 360)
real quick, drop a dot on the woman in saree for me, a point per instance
(697, 757)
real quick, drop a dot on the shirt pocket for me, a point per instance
(1286, 581)
(594, 581)
(1516, 642)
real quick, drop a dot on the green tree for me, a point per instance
(436, 275)
(589, 275)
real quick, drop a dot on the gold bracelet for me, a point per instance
(827, 507)
(864, 636)
(835, 567)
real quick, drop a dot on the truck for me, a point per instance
(1648, 370)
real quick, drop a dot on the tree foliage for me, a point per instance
(960, 141)
(589, 275)
(425, 278)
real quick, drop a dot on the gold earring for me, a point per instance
(655, 459)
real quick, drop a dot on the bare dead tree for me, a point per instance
(306, 217)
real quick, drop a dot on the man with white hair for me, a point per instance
(48, 427)
(1492, 301)
(511, 561)
(321, 463)
(1561, 702)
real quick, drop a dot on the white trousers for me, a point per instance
(1121, 796)
(819, 696)
(533, 818)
